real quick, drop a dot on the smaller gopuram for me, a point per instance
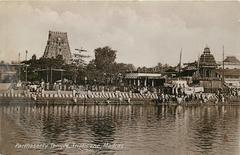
(208, 77)
(207, 64)
(57, 44)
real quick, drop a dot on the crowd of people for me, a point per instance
(164, 94)
(220, 96)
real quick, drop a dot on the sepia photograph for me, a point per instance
(119, 77)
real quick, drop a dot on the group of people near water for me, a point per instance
(163, 94)
(199, 97)
(180, 96)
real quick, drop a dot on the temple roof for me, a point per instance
(143, 75)
(207, 59)
(231, 60)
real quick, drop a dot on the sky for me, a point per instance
(143, 33)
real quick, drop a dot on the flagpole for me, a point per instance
(223, 65)
(180, 61)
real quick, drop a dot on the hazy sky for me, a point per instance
(143, 33)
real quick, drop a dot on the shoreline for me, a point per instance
(104, 98)
(103, 101)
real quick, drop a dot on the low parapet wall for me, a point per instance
(81, 98)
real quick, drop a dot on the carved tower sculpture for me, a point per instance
(57, 44)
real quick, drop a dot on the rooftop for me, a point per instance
(143, 75)
(232, 60)
(207, 59)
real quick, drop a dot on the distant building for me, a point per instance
(171, 72)
(231, 77)
(231, 72)
(189, 69)
(231, 62)
(57, 44)
(144, 79)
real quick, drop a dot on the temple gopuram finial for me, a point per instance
(206, 50)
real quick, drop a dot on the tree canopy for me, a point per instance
(103, 69)
(105, 58)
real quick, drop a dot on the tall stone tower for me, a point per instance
(57, 44)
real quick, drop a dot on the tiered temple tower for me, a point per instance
(208, 78)
(207, 64)
(57, 44)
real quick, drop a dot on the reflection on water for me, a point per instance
(140, 129)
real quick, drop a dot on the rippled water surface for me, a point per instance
(120, 129)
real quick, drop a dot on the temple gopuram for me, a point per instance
(207, 65)
(207, 75)
(57, 44)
